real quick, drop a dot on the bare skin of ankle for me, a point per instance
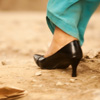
(60, 39)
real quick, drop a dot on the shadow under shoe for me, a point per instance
(70, 54)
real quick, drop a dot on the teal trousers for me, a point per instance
(71, 16)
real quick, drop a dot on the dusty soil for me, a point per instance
(23, 34)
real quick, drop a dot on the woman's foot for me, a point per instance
(70, 53)
(59, 40)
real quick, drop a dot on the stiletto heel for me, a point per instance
(70, 54)
(74, 67)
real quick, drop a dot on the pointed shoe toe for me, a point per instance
(36, 58)
(70, 54)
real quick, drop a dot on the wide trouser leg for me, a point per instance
(68, 15)
(88, 7)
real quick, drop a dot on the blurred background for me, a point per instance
(23, 5)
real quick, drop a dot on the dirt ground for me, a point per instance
(23, 34)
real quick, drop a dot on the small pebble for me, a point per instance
(59, 84)
(72, 80)
(91, 54)
(38, 73)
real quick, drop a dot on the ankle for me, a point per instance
(63, 40)
(61, 37)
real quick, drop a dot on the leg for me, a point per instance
(71, 17)
(60, 39)
(88, 7)
(62, 23)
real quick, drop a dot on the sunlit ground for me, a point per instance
(23, 34)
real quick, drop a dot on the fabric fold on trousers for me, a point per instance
(71, 16)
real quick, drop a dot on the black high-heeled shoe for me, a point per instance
(70, 54)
